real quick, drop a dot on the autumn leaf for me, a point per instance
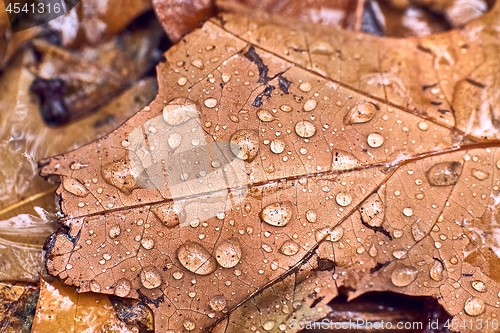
(272, 148)
(61, 309)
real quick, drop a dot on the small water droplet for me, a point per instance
(444, 173)
(305, 129)
(361, 113)
(403, 275)
(245, 144)
(305, 87)
(436, 271)
(74, 186)
(178, 275)
(286, 108)
(167, 214)
(122, 288)
(277, 214)
(210, 102)
(424, 126)
(311, 216)
(474, 306)
(479, 286)
(119, 175)
(269, 325)
(228, 253)
(397, 233)
(189, 325)
(217, 302)
(265, 116)
(480, 174)
(373, 251)
(182, 81)
(179, 111)
(343, 160)
(147, 243)
(150, 277)
(289, 248)
(373, 210)
(375, 140)
(310, 105)
(277, 146)
(417, 232)
(198, 63)
(174, 140)
(226, 77)
(195, 258)
(407, 211)
(343, 199)
(95, 286)
(398, 254)
(114, 231)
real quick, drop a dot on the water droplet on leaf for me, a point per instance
(122, 288)
(179, 111)
(74, 186)
(444, 173)
(403, 275)
(150, 277)
(474, 307)
(436, 271)
(119, 175)
(277, 214)
(289, 248)
(305, 129)
(245, 144)
(361, 113)
(373, 210)
(375, 140)
(228, 253)
(195, 258)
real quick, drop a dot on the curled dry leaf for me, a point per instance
(400, 198)
(61, 309)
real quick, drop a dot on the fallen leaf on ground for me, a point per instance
(73, 83)
(61, 309)
(17, 307)
(94, 21)
(268, 144)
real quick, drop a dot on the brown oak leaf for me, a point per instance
(271, 145)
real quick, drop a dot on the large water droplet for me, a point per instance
(74, 186)
(167, 214)
(119, 175)
(373, 210)
(375, 140)
(217, 302)
(95, 286)
(179, 111)
(277, 146)
(148, 243)
(245, 144)
(403, 275)
(480, 174)
(311, 216)
(265, 116)
(277, 214)
(289, 248)
(122, 288)
(343, 160)
(150, 277)
(174, 140)
(444, 173)
(474, 306)
(436, 271)
(343, 199)
(195, 258)
(268, 325)
(305, 129)
(228, 253)
(361, 113)
(189, 325)
(310, 105)
(479, 286)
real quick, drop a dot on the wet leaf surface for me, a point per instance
(269, 146)
(61, 309)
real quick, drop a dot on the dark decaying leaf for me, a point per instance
(270, 144)
(17, 307)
